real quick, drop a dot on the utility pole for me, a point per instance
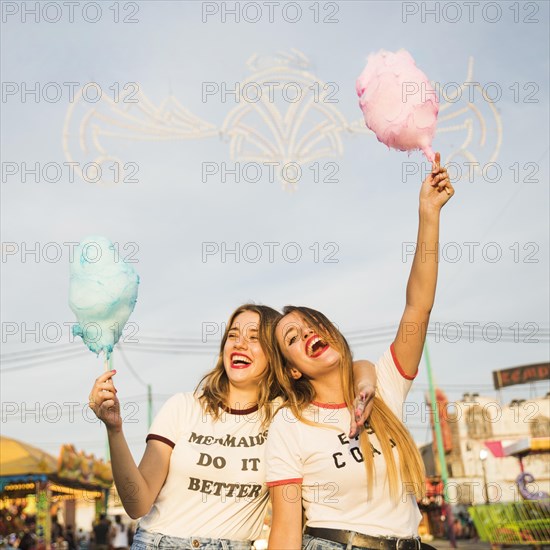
(437, 425)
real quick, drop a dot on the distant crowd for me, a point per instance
(18, 531)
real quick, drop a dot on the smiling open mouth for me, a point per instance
(239, 361)
(315, 346)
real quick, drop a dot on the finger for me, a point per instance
(436, 163)
(360, 403)
(358, 408)
(107, 394)
(105, 376)
(353, 428)
(444, 183)
(438, 175)
(106, 386)
(438, 178)
(97, 403)
(366, 411)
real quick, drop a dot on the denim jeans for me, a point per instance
(144, 540)
(314, 543)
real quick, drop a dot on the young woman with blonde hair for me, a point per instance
(201, 481)
(357, 492)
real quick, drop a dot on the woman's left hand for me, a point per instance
(364, 374)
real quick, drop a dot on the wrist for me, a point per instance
(114, 431)
(429, 212)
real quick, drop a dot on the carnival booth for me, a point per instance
(34, 486)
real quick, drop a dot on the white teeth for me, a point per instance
(311, 344)
(241, 358)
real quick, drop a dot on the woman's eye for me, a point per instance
(292, 340)
(231, 336)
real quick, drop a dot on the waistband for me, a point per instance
(364, 541)
(166, 542)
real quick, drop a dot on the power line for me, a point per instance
(39, 357)
(130, 368)
(39, 363)
(15, 354)
(376, 332)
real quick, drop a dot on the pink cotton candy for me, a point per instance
(398, 102)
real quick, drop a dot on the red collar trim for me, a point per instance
(240, 411)
(329, 405)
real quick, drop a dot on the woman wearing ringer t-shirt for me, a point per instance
(356, 492)
(201, 482)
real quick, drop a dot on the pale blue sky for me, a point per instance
(170, 212)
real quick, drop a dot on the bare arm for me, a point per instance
(286, 519)
(138, 486)
(436, 190)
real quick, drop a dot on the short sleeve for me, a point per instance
(392, 382)
(283, 450)
(167, 425)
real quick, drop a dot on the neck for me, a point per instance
(329, 388)
(242, 398)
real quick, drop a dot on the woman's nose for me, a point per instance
(239, 342)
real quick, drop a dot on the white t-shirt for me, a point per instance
(216, 482)
(331, 468)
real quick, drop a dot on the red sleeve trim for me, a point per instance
(160, 438)
(399, 367)
(284, 482)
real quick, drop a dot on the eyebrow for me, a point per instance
(292, 327)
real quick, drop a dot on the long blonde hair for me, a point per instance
(213, 389)
(388, 427)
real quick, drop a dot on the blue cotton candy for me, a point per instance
(102, 294)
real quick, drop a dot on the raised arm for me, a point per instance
(436, 190)
(137, 486)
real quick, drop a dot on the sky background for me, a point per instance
(162, 220)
